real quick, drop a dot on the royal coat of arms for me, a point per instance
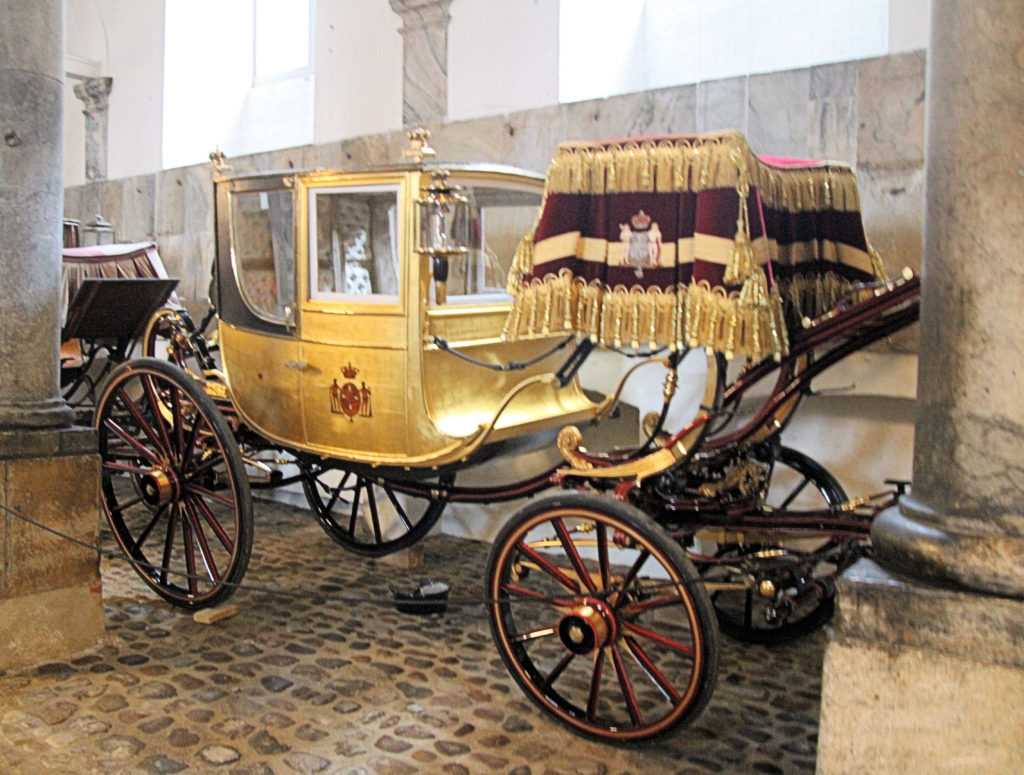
(348, 399)
(641, 242)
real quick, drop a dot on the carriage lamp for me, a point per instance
(444, 219)
(98, 231)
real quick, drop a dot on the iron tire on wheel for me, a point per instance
(173, 485)
(601, 619)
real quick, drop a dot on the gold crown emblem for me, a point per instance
(640, 221)
(349, 371)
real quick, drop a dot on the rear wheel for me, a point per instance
(173, 485)
(371, 516)
(601, 618)
(776, 589)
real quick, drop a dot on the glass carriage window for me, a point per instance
(499, 216)
(263, 250)
(353, 244)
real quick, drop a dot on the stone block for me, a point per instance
(921, 679)
(50, 625)
(63, 494)
(169, 214)
(722, 104)
(136, 219)
(534, 135)
(891, 111)
(777, 119)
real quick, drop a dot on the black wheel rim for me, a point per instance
(372, 516)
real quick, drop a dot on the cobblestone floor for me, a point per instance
(301, 684)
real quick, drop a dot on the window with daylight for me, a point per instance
(616, 46)
(282, 39)
(238, 76)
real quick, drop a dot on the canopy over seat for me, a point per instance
(687, 240)
(120, 260)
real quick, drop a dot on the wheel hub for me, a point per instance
(588, 626)
(158, 487)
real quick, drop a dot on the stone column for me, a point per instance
(925, 672)
(50, 601)
(424, 60)
(95, 94)
(31, 115)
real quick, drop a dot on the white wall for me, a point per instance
(123, 39)
(502, 56)
(358, 69)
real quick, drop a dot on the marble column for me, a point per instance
(50, 598)
(925, 671)
(424, 60)
(95, 94)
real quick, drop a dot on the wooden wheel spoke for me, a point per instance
(136, 412)
(557, 670)
(656, 637)
(602, 555)
(354, 514)
(569, 547)
(371, 501)
(645, 661)
(190, 556)
(594, 693)
(536, 634)
(195, 501)
(628, 693)
(148, 529)
(134, 443)
(227, 500)
(159, 407)
(398, 506)
(533, 594)
(195, 526)
(172, 524)
(631, 575)
(548, 567)
(334, 491)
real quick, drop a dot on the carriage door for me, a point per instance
(256, 303)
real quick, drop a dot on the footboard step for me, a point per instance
(211, 615)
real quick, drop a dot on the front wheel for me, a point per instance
(371, 516)
(777, 589)
(601, 619)
(173, 485)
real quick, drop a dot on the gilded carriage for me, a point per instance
(379, 330)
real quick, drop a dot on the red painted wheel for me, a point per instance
(173, 484)
(601, 618)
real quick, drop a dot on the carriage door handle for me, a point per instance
(297, 365)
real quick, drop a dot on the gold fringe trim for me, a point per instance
(749, 323)
(697, 163)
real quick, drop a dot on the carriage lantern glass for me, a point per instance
(444, 230)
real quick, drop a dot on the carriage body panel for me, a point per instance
(338, 326)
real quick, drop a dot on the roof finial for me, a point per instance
(419, 141)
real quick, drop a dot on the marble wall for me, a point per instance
(869, 113)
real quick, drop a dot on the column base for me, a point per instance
(38, 415)
(921, 679)
(51, 603)
(913, 539)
